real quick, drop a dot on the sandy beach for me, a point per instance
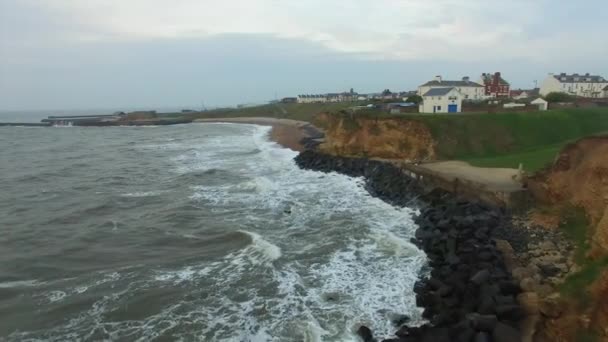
(288, 133)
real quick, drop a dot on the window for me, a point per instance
(438, 107)
(466, 96)
(439, 98)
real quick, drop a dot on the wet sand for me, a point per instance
(286, 132)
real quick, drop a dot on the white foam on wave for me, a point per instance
(20, 283)
(55, 296)
(143, 194)
(268, 250)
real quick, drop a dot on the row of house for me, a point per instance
(590, 86)
(446, 96)
(348, 97)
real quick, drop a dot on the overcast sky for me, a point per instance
(81, 54)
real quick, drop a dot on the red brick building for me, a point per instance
(495, 85)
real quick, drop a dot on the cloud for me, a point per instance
(382, 29)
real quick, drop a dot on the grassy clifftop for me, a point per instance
(503, 140)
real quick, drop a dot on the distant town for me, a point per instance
(491, 93)
(454, 96)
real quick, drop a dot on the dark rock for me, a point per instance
(504, 300)
(465, 336)
(505, 333)
(486, 305)
(513, 313)
(366, 334)
(482, 337)
(480, 277)
(436, 335)
(400, 320)
(509, 288)
(483, 322)
(548, 270)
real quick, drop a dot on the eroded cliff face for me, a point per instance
(376, 138)
(579, 177)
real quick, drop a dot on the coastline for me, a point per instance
(470, 293)
(292, 134)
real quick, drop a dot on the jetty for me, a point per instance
(139, 118)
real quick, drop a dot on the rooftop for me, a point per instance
(487, 78)
(586, 78)
(452, 84)
(438, 91)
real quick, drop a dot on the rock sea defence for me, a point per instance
(470, 294)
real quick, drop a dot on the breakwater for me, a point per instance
(468, 295)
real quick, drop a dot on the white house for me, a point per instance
(441, 100)
(579, 85)
(318, 98)
(542, 104)
(469, 90)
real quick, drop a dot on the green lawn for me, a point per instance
(531, 161)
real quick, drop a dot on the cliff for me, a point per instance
(579, 178)
(388, 138)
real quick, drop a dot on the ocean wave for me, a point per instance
(268, 250)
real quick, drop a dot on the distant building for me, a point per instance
(441, 100)
(524, 94)
(289, 100)
(469, 90)
(495, 86)
(318, 98)
(331, 97)
(541, 103)
(577, 85)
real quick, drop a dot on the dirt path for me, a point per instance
(498, 179)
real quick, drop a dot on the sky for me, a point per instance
(88, 54)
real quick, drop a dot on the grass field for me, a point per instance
(294, 111)
(531, 161)
(506, 140)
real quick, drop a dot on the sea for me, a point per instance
(197, 232)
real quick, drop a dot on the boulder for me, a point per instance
(480, 277)
(505, 333)
(482, 337)
(366, 334)
(513, 313)
(483, 322)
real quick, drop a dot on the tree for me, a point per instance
(559, 97)
(414, 99)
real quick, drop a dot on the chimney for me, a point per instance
(497, 74)
(466, 79)
(438, 78)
